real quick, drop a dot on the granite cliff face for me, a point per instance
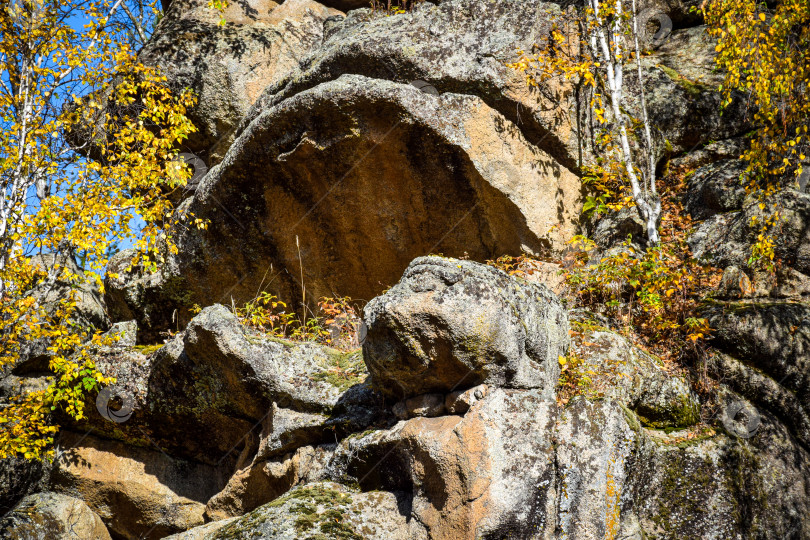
(345, 146)
(341, 148)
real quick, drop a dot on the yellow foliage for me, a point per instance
(655, 293)
(67, 92)
(570, 55)
(765, 56)
(393, 7)
(221, 6)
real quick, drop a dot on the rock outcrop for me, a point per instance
(442, 148)
(151, 299)
(52, 516)
(219, 380)
(490, 473)
(768, 349)
(634, 378)
(450, 325)
(325, 510)
(396, 198)
(133, 490)
(347, 146)
(459, 162)
(275, 443)
(727, 238)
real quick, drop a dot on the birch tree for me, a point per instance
(590, 46)
(63, 63)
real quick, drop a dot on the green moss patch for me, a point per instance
(148, 349)
(316, 512)
(692, 88)
(319, 508)
(315, 494)
(342, 370)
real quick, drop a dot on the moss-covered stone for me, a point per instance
(323, 510)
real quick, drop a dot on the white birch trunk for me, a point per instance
(644, 190)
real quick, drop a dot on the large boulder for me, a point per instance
(488, 474)
(476, 169)
(768, 356)
(476, 163)
(452, 324)
(155, 301)
(137, 492)
(610, 366)
(680, 82)
(318, 510)
(419, 173)
(715, 188)
(727, 485)
(219, 381)
(726, 239)
(50, 516)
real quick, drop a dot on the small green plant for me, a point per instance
(220, 6)
(604, 191)
(393, 7)
(335, 323)
(576, 377)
